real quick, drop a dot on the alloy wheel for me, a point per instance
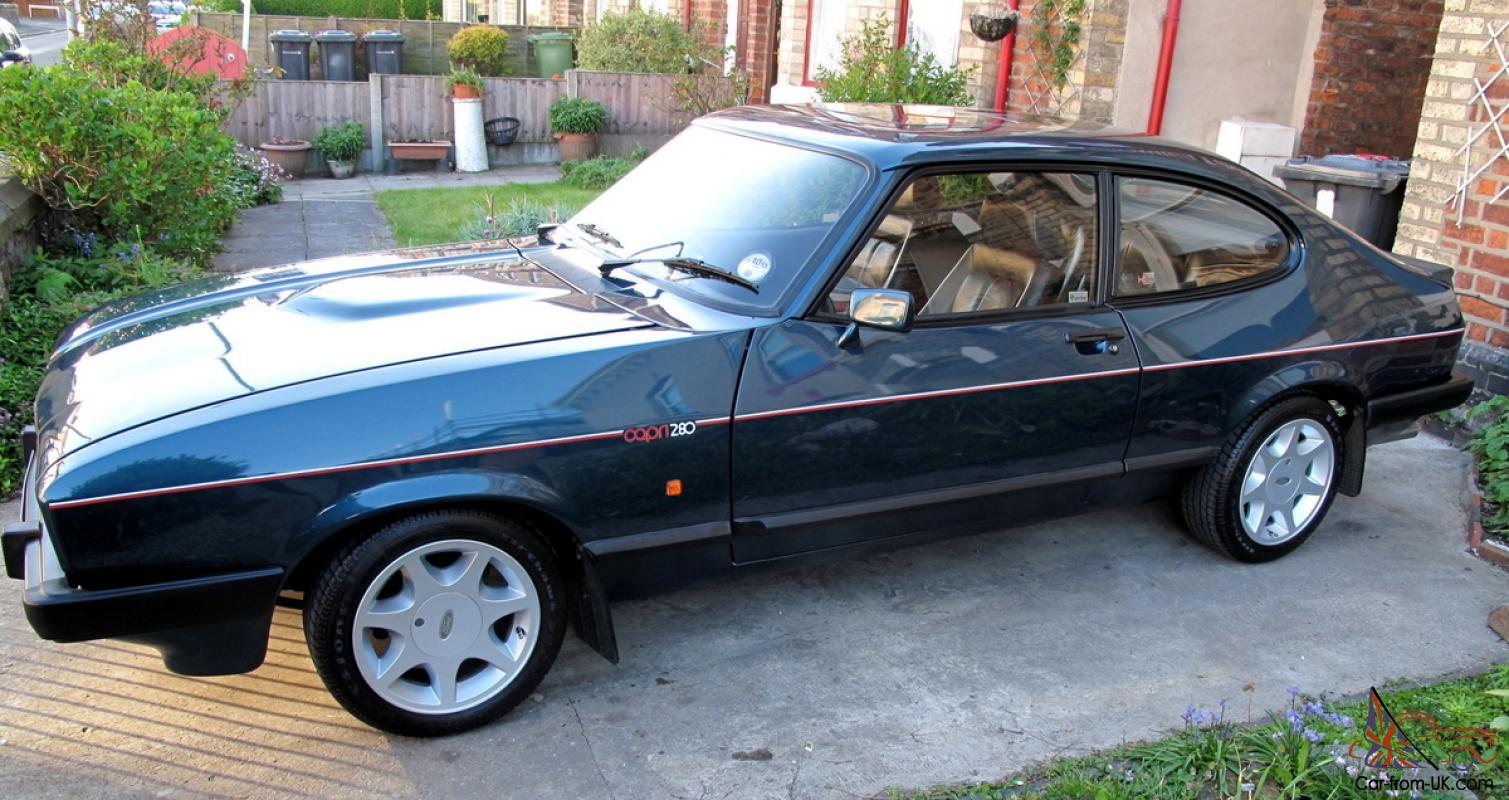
(446, 626)
(1286, 481)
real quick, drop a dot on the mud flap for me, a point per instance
(1354, 453)
(593, 621)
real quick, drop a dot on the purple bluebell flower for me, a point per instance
(1296, 722)
(1293, 691)
(1314, 735)
(1314, 707)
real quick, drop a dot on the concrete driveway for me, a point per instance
(950, 662)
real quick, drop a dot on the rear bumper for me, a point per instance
(215, 625)
(1404, 408)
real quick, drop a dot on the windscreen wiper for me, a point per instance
(695, 266)
(599, 234)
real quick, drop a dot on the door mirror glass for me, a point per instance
(12, 55)
(888, 309)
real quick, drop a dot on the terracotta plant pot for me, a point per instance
(463, 91)
(289, 155)
(420, 151)
(341, 169)
(577, 146)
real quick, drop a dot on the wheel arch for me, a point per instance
(1328, 381)
(363, 513)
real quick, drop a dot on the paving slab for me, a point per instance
(964, 660)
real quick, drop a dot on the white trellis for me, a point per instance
(1499, 144)
(1042, 96)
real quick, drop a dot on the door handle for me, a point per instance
(1094, 336)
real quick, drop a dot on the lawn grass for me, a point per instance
(1210, 754)
(436, 216)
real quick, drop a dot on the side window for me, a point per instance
(1182, 237)
(979, 241)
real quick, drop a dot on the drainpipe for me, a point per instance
(1008, 54)
(1165, 67)
(688, 14)
(903, 16)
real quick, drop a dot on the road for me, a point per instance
(45, 38)
(964, 660)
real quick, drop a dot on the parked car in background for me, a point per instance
(792, 331)
(12, 51)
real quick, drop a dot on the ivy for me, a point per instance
(1057, 42)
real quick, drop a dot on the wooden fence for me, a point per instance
(423, 47)
(414, 107)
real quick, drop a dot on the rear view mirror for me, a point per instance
(887, 309)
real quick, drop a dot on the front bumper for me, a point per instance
(215, 625)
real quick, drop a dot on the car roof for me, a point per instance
(894, 135)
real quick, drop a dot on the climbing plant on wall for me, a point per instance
(1055, 37)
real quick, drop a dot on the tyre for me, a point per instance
(1270, 485)
(437, 623)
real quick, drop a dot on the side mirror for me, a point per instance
(12, 55)
(887, 309)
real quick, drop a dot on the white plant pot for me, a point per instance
(342, 169)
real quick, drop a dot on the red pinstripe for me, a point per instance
(590, 437)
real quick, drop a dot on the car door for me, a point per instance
(1014, 376)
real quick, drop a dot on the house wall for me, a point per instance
(1251, 59)
(1450, 213)
(1371, 66)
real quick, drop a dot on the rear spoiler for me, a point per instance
(1439, 273)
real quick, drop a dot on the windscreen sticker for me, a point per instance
(754, 267)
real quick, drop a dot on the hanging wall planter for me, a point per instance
(993, 22)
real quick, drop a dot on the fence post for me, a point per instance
(375, 122)
(573, 83)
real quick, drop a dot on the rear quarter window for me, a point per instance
(1176, 237)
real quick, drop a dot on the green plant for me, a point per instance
(601, 172)
(343, 142)
(255, 181)
(482, 49)
(638, 41)
(873, 70)
(460, 78)
(578, 115)
(522, 217)
(120, 161)
(1057, 41)
(47, 295)
(1490, 448)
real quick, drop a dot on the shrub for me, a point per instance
(601, 172)
(121, 161)
(638, 41)
(47, 295)
(343, 142)
(873, 70)
(255, 181)
(578, 115)
(482, 49)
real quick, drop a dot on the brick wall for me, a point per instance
(1371, 65)
(1449, 214)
